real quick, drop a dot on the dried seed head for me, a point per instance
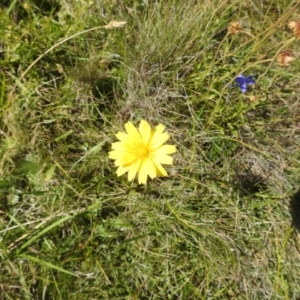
(285, 58)
(295, 26)
(234, 27)
(292, 25)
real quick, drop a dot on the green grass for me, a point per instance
(219, 226)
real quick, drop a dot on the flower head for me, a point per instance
(141, 151)
(285, 58)
(295, 26)
(242, 81)
(234, 27)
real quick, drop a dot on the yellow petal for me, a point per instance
(163, 159)
(160, 171)
(118, 163)
(123, 147)
(114, 154)
(143, 174)
(132, 131)
(166, 149)
(121, 170)
(122, 136)
(145, 131)
(149, 166)
(133, 169)
(160, 128)
(119, 146)
(127, 159)
(158, 137)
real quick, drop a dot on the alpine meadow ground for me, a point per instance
(223, 79)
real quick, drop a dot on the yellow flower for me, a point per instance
(142, 151)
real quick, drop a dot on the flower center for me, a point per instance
(143, 152)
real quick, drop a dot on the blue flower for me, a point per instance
(242, 81)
